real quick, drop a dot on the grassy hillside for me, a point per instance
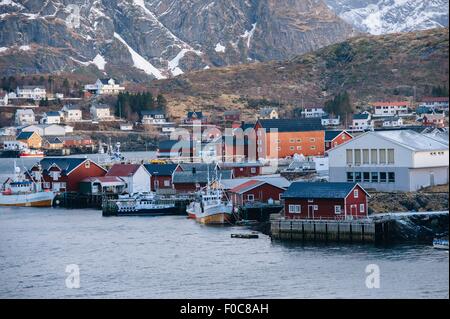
(394, 66)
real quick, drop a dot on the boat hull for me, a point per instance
(41, 199)
(215, 219)
(150, 212)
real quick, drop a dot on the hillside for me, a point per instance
(391, 66)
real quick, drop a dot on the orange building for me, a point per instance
(281, 138)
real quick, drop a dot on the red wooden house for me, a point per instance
(335, 138)
(255, 191)
(243, 169)
(161, 175)
(63, 174)
(303, 200)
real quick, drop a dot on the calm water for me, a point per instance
(173, 257)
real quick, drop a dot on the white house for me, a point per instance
(46, 129)
(104, 87)
(51, 118)
(126, 127)
(135, 176)
(3, 98)
(31, 92)
(435, 103)
(328, 120)
(268, 113)
(361, 122)
(24, 117)
(153, 117)
(390, 108)
(315, 111)
(100, 112)
(71, 113)
(392, 121)
(14, 145)
(399, 160)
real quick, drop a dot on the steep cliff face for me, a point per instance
(161, 38)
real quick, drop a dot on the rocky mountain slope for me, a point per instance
(135, 39)
(387, 16)
(368, 67)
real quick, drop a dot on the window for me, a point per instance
(390, 156)
(361, 208)
(382, 177)
(253, 170)
(299, 140)
(355, 193)
(337, 209)
(366, 177)
(299, 148)
(312, 139)
(278, 141)
(391, 177)
(291, 140)
(382, 156)
(292, 148)
(166, 183)
(373, 156)
(294, 209)
(313, 147)
(250, 197)
(357, 177)
(349, 154)
(365, 156)
(374, 176)
(357, 157)
(350, 177)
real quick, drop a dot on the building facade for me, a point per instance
(31, 92)
(24, 117)
(135, 176)
(104, 87)
(401, 160)
(390, 108)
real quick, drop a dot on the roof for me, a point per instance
(240, 164)
(293, 125)
(53, 113)
(66, 164)
(123, 170)
(391, 103)
(249, 185)
(54, 140)
(318, 190)
(275, 180)
(361, 116)
(198, 177)
(267, 110)
(105, 81)
(25, 111)
(72, 107)
(435, 99)
(160, 169)
(153, 112)
(169, 144)
(199, 167)
(24, 135)
(198, 114)
(411, 140)
(101, 106)
(331, 135)
(31, 87)
(232, 112)
(105, 180)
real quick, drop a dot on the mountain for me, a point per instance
(138, 39)
(370, 68)
(388, 16)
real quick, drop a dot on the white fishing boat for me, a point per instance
(19, 191)
(211, 206)
(143, 205)
(27, 153)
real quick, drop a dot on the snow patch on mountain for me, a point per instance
(249, 34)
(139, 61)
(219, 48)
(100, 62)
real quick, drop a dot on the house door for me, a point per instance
(431, 179)
(310, 211)
(56, 187)
(353, 210)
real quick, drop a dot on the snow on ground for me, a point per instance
(220, 48)
(3, 49)
(174, 63)
(100, 62)
(25, 47)
(140, 62)
(249, 34)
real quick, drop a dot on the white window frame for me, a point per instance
(250, 197)
(362, 208)
(356, 193)
(337, 209)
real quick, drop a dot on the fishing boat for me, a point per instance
(211, 206)
(440, 243)
(31, 154)
(144, 205)
(18, 191)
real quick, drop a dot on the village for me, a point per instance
(316, 167)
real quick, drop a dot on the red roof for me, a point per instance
(123, 170)
(246, 186)
(397, 103)
(435, 99)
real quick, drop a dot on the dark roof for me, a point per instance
(188, 167)
(318, 190)
(169, 144)
(153, 112)
(293, 125)
(54, 140)
(123, 170)
(66, 164)
(105, 81)
(160, 169)
(72, 107)
(198, 114)
(198, 177)
(331, 135)
(24, 135)
(53, 113)
(361, 116)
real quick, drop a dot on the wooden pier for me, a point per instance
(360, 231)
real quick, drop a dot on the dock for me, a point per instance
(357, 231)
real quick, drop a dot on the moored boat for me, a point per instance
(19, 191)
(31, 154)
(440, 243)
(144, 205)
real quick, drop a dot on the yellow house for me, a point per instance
(32, 139)
(268, 113)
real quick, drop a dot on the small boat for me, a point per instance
(245, 236)
(440, 243)
(144, 205)
(31, 154)
(210, 207)
(19, 191)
